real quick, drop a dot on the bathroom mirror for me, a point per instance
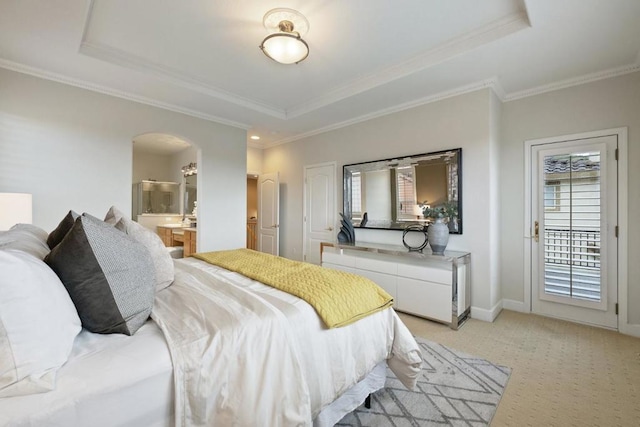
(393, 193)
(191, 192)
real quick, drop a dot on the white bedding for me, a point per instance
(109, 380)
(285, 369)
(288, 368)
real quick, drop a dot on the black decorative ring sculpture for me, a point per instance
(415, 227)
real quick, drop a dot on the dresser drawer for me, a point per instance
(374, 262)
(424, 272)
(334, 256)
(425, 299)
(385, 281)
(339, 267)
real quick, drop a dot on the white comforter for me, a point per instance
(247, 354)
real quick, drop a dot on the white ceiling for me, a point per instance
(368, 57)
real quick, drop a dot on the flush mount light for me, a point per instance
(255, 137)
(285, 44)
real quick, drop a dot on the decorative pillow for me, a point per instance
(27, 238)
(113, 216)
(109, 276)
(162, 261)
(62, 229)
(38, 324)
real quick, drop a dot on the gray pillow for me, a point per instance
(62, 229)
(162, 261)
(109, 276)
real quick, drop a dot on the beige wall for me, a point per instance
(151, 166)
(71, 148)
(463, 121)
(600, 105)
(254, 160)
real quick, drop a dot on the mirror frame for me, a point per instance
(385, 164)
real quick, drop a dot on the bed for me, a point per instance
(221, 349)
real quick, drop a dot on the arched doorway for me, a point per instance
(159, 186)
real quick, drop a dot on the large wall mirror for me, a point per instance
(393, 193)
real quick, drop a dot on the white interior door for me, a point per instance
(320, 209)
(574, 220)
(269, 213)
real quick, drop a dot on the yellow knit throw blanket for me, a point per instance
(340, 298)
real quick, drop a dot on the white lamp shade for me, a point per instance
(285, 48)
(15, 208)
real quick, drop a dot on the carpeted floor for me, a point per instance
(563, 373)
(454, 389)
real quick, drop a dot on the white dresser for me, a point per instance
(436, 287)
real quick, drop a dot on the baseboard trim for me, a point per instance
(486, 315)
(630, 329)
(513, 305)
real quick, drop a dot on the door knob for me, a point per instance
(329, 229)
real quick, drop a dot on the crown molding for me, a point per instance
(574, 81)
(173, 76)
(59, 78)
(454, 47)
(497, 88)
(483, 84)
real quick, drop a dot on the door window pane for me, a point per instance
(572, 201)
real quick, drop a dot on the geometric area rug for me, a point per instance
(454, 389)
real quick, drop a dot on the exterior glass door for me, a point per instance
(574, 247)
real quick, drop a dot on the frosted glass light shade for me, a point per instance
(15, 208)
(285, 48)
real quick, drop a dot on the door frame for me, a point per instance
(304, 199)
(623, 191)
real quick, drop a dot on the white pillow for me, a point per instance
(38, 323)
(162, 261)
(25, 237)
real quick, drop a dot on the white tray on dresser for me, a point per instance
(436, 287)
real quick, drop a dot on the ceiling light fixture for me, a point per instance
(285, 44)
(255, 137)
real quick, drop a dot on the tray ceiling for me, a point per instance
(367, 57)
